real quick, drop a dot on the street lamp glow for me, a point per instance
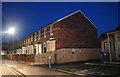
(11, 30)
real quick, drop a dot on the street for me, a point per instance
(17, 69)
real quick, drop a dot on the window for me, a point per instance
(31, 49)
(51, 45)
(106, 46)
(51, 30)
(34, 49)
(24, 50)
(35, 35)
(39, 34)
(45, 48)
(40, 50)
(118, 45)
(24, 41)
(31, 38)
(44, 32)
(28, 50)
(28, 39)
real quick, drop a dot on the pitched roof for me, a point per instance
(65, 17)
(104, 35)
(117, 28)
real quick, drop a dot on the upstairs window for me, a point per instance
(39, 34)
(24, 41)
(51, 30)
(28, 39)
(44, 32)
(31, 38)
(35, 35)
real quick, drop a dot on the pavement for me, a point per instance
(92, 69)
(89, 69)
(8, 71)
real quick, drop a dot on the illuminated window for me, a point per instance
(51, 45)
(45, 32)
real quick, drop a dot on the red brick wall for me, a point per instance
(72, 32)
(80, 54)
(75, 32)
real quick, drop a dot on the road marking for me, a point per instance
(69, 72)
(22, 75)
(10, 70)
(93, 64)
(16, 73)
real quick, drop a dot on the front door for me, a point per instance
(118, 47)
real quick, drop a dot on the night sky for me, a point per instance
(29, 17)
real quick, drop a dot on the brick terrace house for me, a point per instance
(69, 39)
(110, 44)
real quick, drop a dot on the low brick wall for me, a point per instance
(69, 55)
(64, 55)
(81, 54)
(9, 56)
(30, 58)
(44, 58)
(23, 57)
(3, 56)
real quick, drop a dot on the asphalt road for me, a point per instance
(27, 69)
(83, 70)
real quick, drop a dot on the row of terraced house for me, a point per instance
(69, 39)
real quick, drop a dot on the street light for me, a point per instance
(11, 31)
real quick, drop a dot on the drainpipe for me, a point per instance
(109, 47)
(50, 64)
